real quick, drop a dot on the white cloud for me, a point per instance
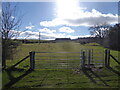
(66, 30)
(29, 27)
(43, 35)
(46, 30)
(92, 18)
(71, 14)
(53, 23)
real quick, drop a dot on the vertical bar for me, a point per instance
(103, 58)
(106, 57)
(92, 56)
(108, 64)
(81, 57)
(32, 60)
(86, 54)
(89, 58)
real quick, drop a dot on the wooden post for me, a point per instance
(92, 56)
(89, 58)
(32, 60)
(108, 64)
(83, 60)
(106, 58)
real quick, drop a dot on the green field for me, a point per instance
(20, 77)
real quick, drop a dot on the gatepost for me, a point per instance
(32, 60)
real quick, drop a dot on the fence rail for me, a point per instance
(53, 56)
(57, 52)
(20, 61)
(57, 59)
(114, 59)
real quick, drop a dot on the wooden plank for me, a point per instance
(20, 61)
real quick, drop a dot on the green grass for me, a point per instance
(59, 78)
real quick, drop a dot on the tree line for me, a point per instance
(109, 35)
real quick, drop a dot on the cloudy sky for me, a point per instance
(64, 18)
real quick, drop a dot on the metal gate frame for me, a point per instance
(85, 55)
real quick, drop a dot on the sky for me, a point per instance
(64, 18)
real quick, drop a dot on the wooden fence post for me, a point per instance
(92, 56)
(32, 60)
(106, 58)
(108, 64)
(89, 58)
(83, 60)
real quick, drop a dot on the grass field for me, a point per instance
(21, 77)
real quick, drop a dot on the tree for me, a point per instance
(10, 21)
(99, 30)
(10, 24)
(114, 35)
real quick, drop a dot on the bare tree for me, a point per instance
(10, 20)
(100, 30)
(10, 24)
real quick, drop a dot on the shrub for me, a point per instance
(8, 49)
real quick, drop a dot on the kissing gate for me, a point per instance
(86, 58)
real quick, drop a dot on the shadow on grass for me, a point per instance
(93, 76)
(13, 79)
(89, 76)
(114, 71)
(44, 78)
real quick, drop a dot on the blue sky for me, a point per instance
(64, 19)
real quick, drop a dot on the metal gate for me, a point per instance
(94, 58)
(69, 60)
(57, 60)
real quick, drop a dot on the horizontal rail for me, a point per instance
(98, 63)
(57, 52)
(92, 49)
(59, 63)
(57, 59)
(97, 52)
(53, 56)
(56, 68)
(98, 60)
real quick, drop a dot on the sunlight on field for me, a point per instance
(59, 78)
